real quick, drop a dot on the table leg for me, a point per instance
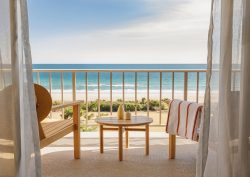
(120, 143)
(127, 140)
(101, 138)
(147, 139)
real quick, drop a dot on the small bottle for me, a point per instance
(120, 112)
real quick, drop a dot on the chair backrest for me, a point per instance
(43, 106)
(43, 102)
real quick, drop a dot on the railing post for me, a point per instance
(50, 83)
(136, 101)
(185, 85)
(50, 89)
(99, 104)
(86, 96)
(74, 86)
(111, 92)
(172, 85)
(123, 89)
(234, 80)
(160, 96)
(148, 94)
(62, 91)
(38, 77)
(197, 87)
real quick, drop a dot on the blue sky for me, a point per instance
(119, 31)
(49, 17)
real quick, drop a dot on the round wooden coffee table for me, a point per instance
(124, 125)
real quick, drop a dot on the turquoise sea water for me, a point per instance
(117, 77)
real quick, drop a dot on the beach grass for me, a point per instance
(131, 106)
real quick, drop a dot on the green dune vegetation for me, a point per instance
(154, 105)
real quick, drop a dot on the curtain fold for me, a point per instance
(19, 140)
(224, 149)
(205, 123)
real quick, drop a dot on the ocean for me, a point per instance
(117, 78)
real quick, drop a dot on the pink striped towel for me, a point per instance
(184, 119)
(173, 117)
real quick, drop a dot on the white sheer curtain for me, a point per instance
(224, 149)
(19, 140)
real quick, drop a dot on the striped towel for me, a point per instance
(173, 117)
(184, 119)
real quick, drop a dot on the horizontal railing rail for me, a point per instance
(119, 70)
(186, 72)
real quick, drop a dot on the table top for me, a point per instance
(114, 121)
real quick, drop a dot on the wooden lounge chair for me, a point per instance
(183, 120)
(52, 131)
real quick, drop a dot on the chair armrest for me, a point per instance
(66, 105)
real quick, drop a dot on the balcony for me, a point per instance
(131, 87)
(57, 159)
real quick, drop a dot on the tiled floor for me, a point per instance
(57, 159)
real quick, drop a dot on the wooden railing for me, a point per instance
(73, 72)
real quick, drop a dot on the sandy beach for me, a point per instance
(129, 96)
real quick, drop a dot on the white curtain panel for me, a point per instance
(19, 140)
(224, 148)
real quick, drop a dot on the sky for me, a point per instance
(119, 31)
